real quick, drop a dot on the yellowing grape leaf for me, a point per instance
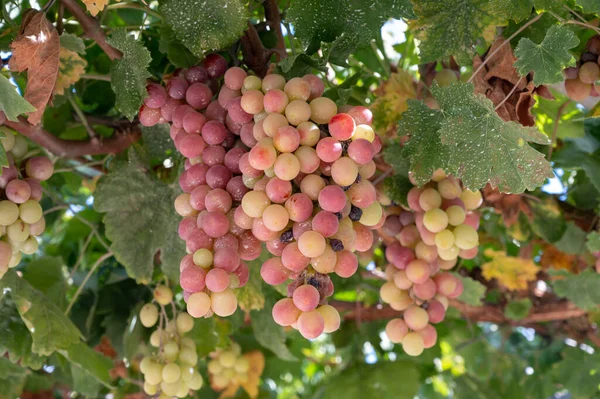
(256, 359)
(72, 66)
(553, 258)
(511, 272)
(392, 100)
(95, 6)
(36, 50)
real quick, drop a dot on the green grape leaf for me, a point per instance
(299, 65)
(425, 148)
(140, 218)
(250, 296)
(93, 363)
(581, 289)
(208, 334)
(516, 10)
(452, 28)
(379, 380)
(128, 75)
(205, 25)
(11, 103)
(176, 52)
(471, 387)
(15, 338)
(519, 309)
(46, 275)
(578, 372)
(72, 42)
(473, 292)
(397, 188)
(573, 240)
(158, 142)
(50, 329)
(547, 59)
(484, 148)
(3, 157)
(548, 221)
(84, 383)
(268, 333)
(12, 379)
(317, 21)
(590, 6)
(593, 242)
(393, 156)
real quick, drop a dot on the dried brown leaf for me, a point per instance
(37, 50)
(501, 64)
(95, 6)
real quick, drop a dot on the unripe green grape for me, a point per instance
(146, 361)
(170, 388)
(252, 82)
(163, 295)
(449, 188)
(444, 239)
(155, 338)
(214, 367)
(372, 214)
(364, 132)
(413, 344)
(322, 110)
(149, 315)
(203, 258)
(229, 373)
(196, 382)
(19, 147)
(150, 389)
(430, 199)
(435, 220)
(15, 260)
(183, 390)
(465, 237)
(438, 175)
(448, 254)
(183, 206)
(471, 199)
(171, 327)
(188, 356)
(171, 373)
(153, 373)
(171, 350)
(227, 359)
(186, 342)
(241, 365)
(185, 323)
(30, 246)
(445, 77)
(18, 231)
(235, 348)
(220, 381)
(331, 317)
(187, 372)
(456, 215)
(9, 141)
(9, 212)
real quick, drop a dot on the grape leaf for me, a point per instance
(452, 28)
(15, 338)
(128, 75)
(45, 274)
(519, 309)
(140, 219)
(593, 242)
(11, 103)
(484, 148)
(512, 272)
(547, 59)
(398, 380)
(397, 188)
(581, 289)
(425, 148)
(72, 42)
(578, 373)
(516, 10)
(392, 101)
(299, 65)
(473, 292)
(573, 239)
(50, 329)
(95, 6)
(548, 5)
(548, 221)
(176, 52)
(317, 21)
(158, 142)
(590, 6)
(12, 379)
(72, 66)
(205, 25)
(268, 333)
(91, 362)
(36, 50)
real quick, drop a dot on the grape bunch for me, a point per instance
(581, 80)
(440, 226)
(171, 370)
(228, 367)
(207, 131)
(21, 217)
(310, 202)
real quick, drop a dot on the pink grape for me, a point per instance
(361, 151)
(418, 271)
(214, 112)
(329, 149)
(250, 246)
(179, 113)
(364, 238)
(196, 175)
(149, 116)
(426, 290)
(213, 155)
(285, 313)
(363, 194)
(436, 311)
(361, 115)
(309, 161)
(193, 122)
(300, 227)
(198, 95)
(198, 240)
(341, 127)
(234, 78)
(228, 241)
(40, 168)
(243, 273)
(346, 265)
(196, 74)
(416, 318)
(273, 272)
(306, 297)
(317, 87)
(278, 190)
(18, 191)
(299, 207)
(237, 113)
(332, 199)
(214, 132)
(325, 223)
(215, 65)
(399, 256)
(275, 101)
(217, 280)
(226, 259)
(413, 199)
(311, 324)
(429, 335)
(193, 278)
(236, 188)
(293, 259)
(446, 283)
(262, 232)
(217, 176)
(187, 226)
(276, 247)
(157, 95)
(177, 87)
(286, 139)
(167, 109)
(215, 224)
(247, 136)
(36, 188)
(218, 200)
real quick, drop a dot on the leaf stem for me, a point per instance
(509, 94)
(85, 280)
(586, 23)
(504, 43)
(93, 76)
(555, 129)
(81, 254)
(91, 132)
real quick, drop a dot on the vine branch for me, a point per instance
(273, 18)
(75, 148)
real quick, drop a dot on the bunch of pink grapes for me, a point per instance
(311, 201)
(440, 226)
(21, 217)
(206, 124)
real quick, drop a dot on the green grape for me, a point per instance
(203, 258)
(30, 211)
(171, 373)
(171, 350)
(435, 220)
(149, 315)
(150, 389)
(187, 372)
(229, 374)
(183, 390)
(9, 141)
(214, 367)
(465, 237)
(445, 77)
(186, 342)
(155, 338)
(170, 388)
(444, 239)
(456, 215)
(153, 373)
(188, 356)
(241, 365)
(196, 382)
(413, 344)
(146, 361)
(163, 295)
(227, 359)
(9, 212)
(19, 147)
(185, 323)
